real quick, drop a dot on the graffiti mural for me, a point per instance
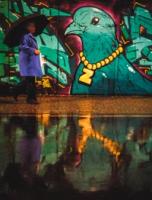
(89, 47)
(54, 56)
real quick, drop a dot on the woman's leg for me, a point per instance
(30, 88)
(19, 88)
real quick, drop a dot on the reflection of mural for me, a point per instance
(112, 62)
(89, 152)
(87, 131)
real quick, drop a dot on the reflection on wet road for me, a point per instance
(81, 153)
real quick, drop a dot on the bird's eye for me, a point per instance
(95, 21)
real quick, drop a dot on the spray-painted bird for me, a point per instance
(104, 68)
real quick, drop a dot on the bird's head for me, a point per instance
(91, 23)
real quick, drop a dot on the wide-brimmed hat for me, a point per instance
(18, 28)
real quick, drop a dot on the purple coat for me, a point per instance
(29, 63)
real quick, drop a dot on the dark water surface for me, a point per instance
(77, 157)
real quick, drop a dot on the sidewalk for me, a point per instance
(79, 105)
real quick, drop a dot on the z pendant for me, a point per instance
(86, 77)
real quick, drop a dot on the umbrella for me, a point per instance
(17, 29)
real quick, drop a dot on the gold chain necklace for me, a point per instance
(89, 69)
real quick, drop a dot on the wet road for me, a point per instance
(76, 147)
(77, 157)
(79, 105)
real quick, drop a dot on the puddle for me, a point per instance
(79, 153)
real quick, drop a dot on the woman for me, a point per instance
(29, 64)
(22, 33)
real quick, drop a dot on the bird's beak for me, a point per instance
(74, 29)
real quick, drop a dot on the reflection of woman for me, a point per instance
(30, 151)
(29, 147)
(29, 63)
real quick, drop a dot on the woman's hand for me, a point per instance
(37, 52)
